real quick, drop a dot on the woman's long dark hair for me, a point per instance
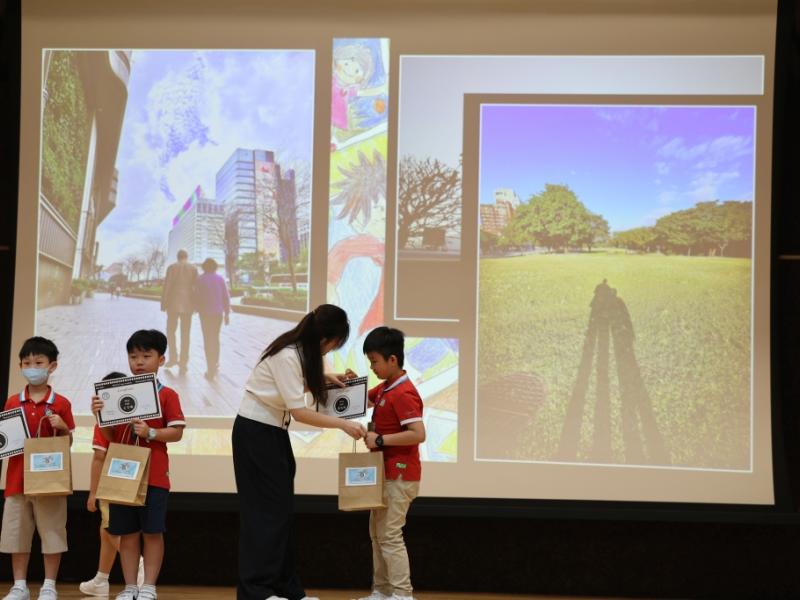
(326, 322)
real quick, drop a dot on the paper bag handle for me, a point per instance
(47, 413)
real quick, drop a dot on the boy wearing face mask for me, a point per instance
(48, 414)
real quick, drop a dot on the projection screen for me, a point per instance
(565, 207)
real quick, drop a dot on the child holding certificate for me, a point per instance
(47, 414)
(146, 350)
(398, 432)
(109, 544)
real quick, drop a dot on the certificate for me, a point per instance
(347, 402)
(13, 432)
(128, 398)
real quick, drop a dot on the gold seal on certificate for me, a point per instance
(349, 402)
(128, 398)
(13, 432)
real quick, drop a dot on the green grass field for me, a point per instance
(691, 320)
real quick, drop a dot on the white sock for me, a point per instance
(132, 586)
(148, 587)
(49, 584)
(101, 577)
(21, 583)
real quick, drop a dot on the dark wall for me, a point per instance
(538, 547)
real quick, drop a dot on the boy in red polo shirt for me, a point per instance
(47, 414)
(399, 431)
(146, 350)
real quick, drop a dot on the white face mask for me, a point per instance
(36, 375)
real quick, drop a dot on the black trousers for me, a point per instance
(264, 467)
(211, 325)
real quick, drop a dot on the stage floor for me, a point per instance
(69, 592)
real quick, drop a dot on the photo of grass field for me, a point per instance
(615, 328)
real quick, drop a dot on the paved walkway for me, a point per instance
(91, 337)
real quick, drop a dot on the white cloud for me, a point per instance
(710, 154)
(706, 186)
(662, 168)
(667, 197)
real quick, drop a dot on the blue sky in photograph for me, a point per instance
(631, 164)
(187, 111)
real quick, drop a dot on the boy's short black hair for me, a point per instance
(147, 339)
(114, 375)
(386, 341)
(39, 345)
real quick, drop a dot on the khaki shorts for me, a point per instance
(103, 513)
(22, 514)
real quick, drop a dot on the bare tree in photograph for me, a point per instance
(155, 257)
(429, 196)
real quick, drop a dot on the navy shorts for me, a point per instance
(150, 518)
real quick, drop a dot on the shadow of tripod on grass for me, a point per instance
(609, 321)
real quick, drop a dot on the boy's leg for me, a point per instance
(129, 551)
(153, 556)
(398, 494)
(380, 576)
(16, 533)
(154, 524)
(50, 514)
(109, 546)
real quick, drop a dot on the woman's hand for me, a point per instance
(91, 503)
(338, 379)
(353, 428)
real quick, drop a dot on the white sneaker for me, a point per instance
(309, 598)
(92, 588)
(396, 597)
(140, 574)
(127, 594)
(147, 595)
(48, 593)
(375, 595)
(277, 598)
(18, 593)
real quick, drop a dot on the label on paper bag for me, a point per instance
(357, 476)
(47, 461)
(123, 469)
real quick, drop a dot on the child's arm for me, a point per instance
(97, 406)
(94, 478)
(163, 434)
(414, 434)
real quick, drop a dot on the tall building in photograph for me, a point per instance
(495, 217)
(262, 200)
(198, 228)
(83, 104)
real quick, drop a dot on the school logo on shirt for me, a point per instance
(127, 403)
(341, 404)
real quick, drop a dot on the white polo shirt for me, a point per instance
(275, 387)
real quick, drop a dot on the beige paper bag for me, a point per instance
(48, 466)
(125, 474)
(360, 481)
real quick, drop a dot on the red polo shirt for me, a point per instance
(34, 414)
(397, 403)
(171, 416)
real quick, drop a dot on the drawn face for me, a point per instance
(349, 71)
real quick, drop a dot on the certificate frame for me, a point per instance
(7, 418)
(111, 390)
(348, 402)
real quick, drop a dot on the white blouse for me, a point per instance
(275, 387)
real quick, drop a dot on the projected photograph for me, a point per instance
(175, 194)
(614, 319)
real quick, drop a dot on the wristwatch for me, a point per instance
(151, 434)
(379, 441)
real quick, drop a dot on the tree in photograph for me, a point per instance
(231, 245)
(282, 210)
(429, 196)
(737, 219)
(135, 266)
(639, 239)
(679, 230)
(254, 263)
(598, 231)
(155, 258)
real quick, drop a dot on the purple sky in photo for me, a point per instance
(631, 164)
